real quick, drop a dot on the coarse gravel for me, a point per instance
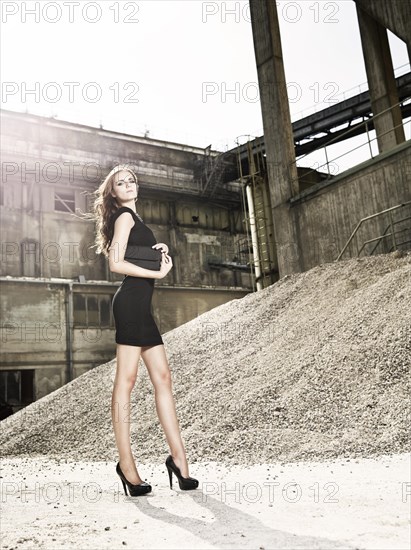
(316, 366)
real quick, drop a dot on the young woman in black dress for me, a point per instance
(137, 335)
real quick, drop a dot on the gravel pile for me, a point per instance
(315, 366)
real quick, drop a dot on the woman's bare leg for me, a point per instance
(126, 374)
(157, 366)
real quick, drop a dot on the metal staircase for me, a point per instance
(212, 173)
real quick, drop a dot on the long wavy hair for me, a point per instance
(103, 208)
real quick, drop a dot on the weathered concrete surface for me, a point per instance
(278, 132)
(381, 82)
(332, 504)
(328, 214)
(395, 15)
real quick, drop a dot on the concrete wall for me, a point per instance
(328, 213)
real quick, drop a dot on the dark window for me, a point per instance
(16, 387)
(64, 201)
(92, 310)
(80, 312)
(105, 311)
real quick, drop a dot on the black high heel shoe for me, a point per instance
(134, 490)
(185, 483)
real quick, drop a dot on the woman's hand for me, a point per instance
(164, 247)
(166, 265)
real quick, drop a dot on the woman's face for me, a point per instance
(125, 187)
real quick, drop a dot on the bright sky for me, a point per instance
(179, 58)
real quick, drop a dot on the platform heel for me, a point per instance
(185, 483)
(134, 490)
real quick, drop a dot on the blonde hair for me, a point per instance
(103, 208)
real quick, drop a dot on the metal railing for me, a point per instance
(346, 134)
(385, 235)
(342, 96)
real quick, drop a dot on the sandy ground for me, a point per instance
(340, 503)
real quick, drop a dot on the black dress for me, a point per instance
(131, 304)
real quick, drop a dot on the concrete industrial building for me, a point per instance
(55, 291)
(235, 221)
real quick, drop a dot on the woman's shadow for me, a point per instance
(233, 528)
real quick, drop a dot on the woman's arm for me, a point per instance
(117, 264)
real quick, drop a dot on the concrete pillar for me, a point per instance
(278, 134)
(381, 82)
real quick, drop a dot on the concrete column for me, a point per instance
(278, 134)
(381, 82)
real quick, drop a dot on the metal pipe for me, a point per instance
(69, 332)
(254, 238)
(245, 219)
(244, 205)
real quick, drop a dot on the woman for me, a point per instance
(136, 332)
